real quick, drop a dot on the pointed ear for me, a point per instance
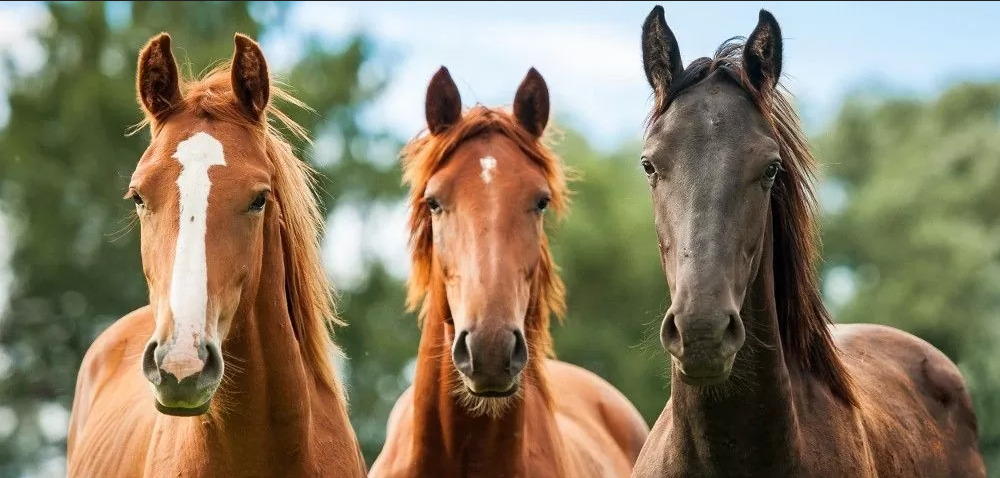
(661, 57)
(762, 53)
(443, 106)
(250, 78)
(531, 103)
(157, 83)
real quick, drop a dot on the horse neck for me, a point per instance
(449, 442)
(753, 413)
(272, 410)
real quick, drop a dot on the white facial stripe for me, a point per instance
(489, 163)
(189, 281)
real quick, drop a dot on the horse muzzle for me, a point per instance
(703, 346)
(490, 363)
(183, 381)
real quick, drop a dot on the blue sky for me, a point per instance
(589, 52)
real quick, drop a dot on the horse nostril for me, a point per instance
(670, 336)
(519, 355)
(460, 354)
(735, 334)
(149, 367)
(213, 364)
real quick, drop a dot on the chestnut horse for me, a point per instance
(228, 371)
(482, 404)
(729, 171)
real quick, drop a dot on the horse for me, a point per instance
(763, 383)
(228, 371)
(482, 403)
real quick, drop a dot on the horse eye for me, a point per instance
(772, 171)
(433, 205)
(135, 197)
(647, 166)
(543, 203)
(258, 202)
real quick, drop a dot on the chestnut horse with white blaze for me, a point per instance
(487, 399)
(228, 371)
(763, 385)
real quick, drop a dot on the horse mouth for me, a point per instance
(495, 394)
(182, 411)
(703, 379)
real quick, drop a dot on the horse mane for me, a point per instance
(802, 317)
(425, 155)
(310, 295)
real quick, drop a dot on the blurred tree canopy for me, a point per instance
(912, 236)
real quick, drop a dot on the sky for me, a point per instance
(589, 52)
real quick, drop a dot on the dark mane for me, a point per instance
(424, 156)
(802, 317)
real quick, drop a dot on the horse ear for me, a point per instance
(762, 53)
(443, 105)
(157, 82)
(531, 103)
(250, 78)
(661, 56)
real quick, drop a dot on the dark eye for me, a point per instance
(433, 205)
(772, 171)
(258, 202)
(543, 203)
(647, 166)
(135, 197)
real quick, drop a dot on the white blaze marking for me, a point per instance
(488, 163)
(189, 281)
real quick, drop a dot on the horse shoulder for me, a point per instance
(106, 380)
(903, 379)
(583, 397)
(396, 454)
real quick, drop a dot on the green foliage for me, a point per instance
(920, 231)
